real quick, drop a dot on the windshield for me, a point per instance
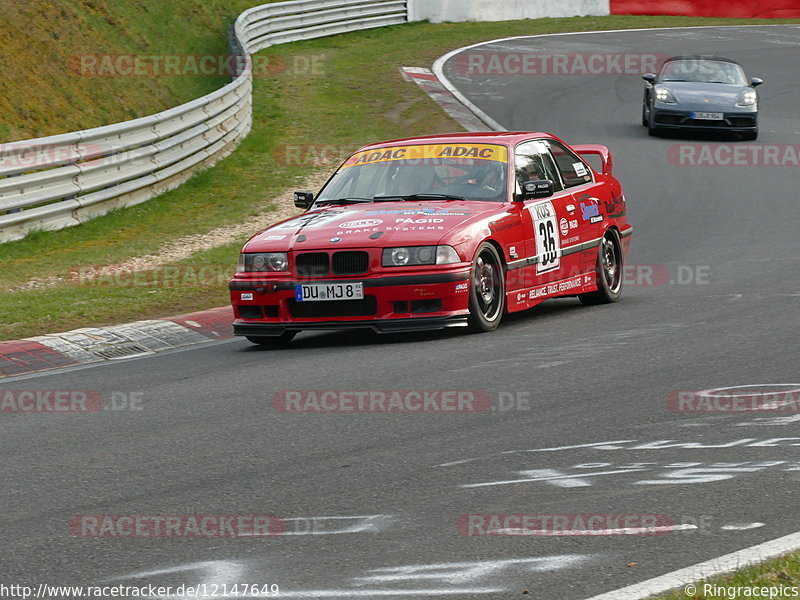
(420, 172)
(703, 71)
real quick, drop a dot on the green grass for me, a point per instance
(783, 571)
(357, 97)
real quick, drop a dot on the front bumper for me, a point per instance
(741, 122)
(392, 303)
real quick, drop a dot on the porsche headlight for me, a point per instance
(263, 261)
(408, 256)
(748, 98)
(664, 95)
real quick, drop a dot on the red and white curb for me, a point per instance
(430, 84)
(97, 344)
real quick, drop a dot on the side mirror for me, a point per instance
(303, 199)
(649, 77)
(540, 188)
(756, 81)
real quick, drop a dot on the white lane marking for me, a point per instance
(704, 570)
(377, 593)
(458, 572)
(741, 526)
(768, 421)
(212, 570)
(595, 532)
(335, 525)
(553, 479)
(438, 66)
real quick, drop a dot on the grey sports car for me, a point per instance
(705, 93)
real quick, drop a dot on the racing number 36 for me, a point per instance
(548, 236)
(550, 255)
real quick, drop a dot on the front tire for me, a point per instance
(272, 341)
(487, 291)
(608, 270)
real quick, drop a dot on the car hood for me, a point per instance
(712, 94)
(376, 224)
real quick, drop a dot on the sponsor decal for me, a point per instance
(512, 252)
(311, 220)
(361, 224)
(429, 151)
(570, 240)
(462, 287)
(435, 212)
(247, 295)
(418, 221)
(590, 209)
(566, 224)
(580, 169)
(559, 287)
(616, 206)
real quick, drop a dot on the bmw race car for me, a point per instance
(440, 231)
(695, 92)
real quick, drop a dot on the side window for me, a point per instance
(532, 161)
(574, 171)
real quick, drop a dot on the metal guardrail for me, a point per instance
(64, 180)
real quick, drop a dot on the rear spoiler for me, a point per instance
(601, 151)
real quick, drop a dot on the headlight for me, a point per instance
(265, 261)
(408, 256)
(748, 98)
(664, 95)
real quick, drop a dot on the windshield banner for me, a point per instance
(430, 151)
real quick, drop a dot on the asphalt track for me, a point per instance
(208, 439)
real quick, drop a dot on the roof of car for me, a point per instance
(487, 137)
(700, 57)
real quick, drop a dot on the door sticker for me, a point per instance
(547, 236)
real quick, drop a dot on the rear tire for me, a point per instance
(487, 290)
(608, 270)
(272, 341)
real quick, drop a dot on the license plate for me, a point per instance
(707, 116)
(317, 292)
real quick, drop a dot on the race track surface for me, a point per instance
(720, 310)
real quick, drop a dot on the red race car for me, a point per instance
(437, 231)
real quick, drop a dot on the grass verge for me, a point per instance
(335, 93)
(779, 573)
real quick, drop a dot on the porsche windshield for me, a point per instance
(703, 71)
(420, 172)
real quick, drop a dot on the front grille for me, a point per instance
(312, 264)
(350, 263)
(335, 308)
